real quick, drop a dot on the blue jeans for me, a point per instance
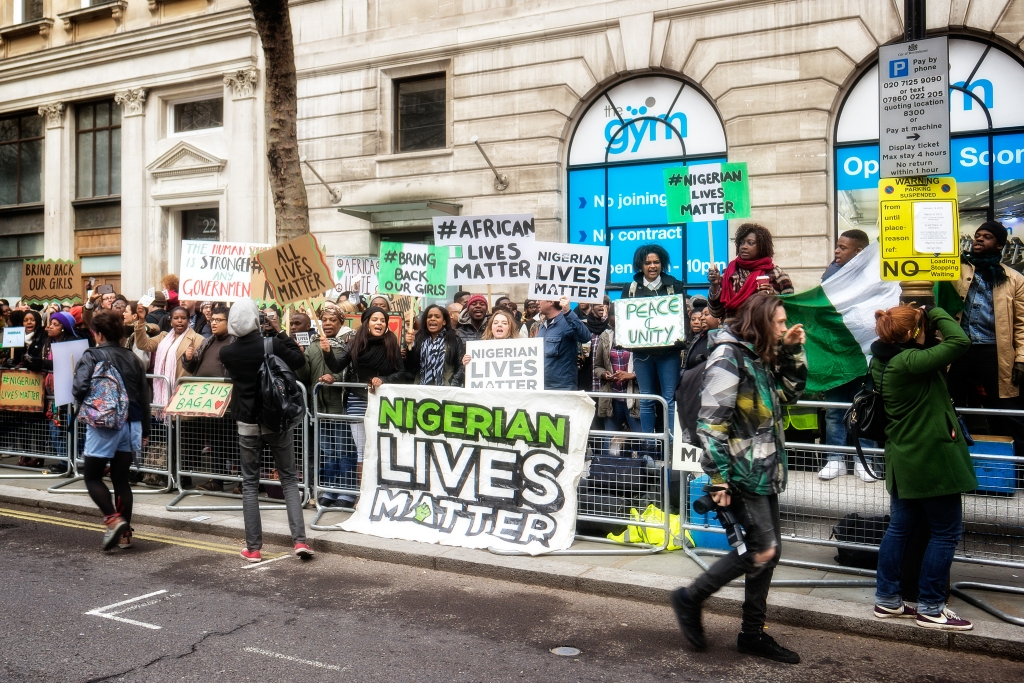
(944, 515)
(835, 430)
(657, 374)
(620, 416)
(337, 459)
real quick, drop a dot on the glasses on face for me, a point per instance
(218, 320)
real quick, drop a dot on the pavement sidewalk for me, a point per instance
(647, 578)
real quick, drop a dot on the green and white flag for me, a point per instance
(839, 318)
(412, 269)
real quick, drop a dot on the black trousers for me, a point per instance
(973, 382)
(98, 491)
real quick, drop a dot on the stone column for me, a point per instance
(137, 258)
(240, 214)
(58, 218)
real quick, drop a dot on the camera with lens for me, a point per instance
(733, 529)
(266, 329)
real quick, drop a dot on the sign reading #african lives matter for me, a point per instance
(646, 322)
(442, 466)
(488, 249)
(505, 364)
(217, 271)
(576, 271)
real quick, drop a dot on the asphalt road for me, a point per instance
(338, 618)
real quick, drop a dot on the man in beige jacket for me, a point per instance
(990, 373)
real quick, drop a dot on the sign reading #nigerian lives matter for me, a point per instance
(650, 321)
(217, 271)
(505, 364)
(442, 466)
(488, 249)
(576, 271)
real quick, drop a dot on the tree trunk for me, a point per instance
(291, 209)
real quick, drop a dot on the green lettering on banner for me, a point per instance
(707, 192)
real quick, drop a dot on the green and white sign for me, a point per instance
(706, 193)
(412, 269)
(648, 322)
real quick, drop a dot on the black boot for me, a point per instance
(763, 645)
(688, 614)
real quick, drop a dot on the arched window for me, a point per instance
(996, 81)
(616, 188)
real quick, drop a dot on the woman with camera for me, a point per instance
(927, 465)
(755, 366)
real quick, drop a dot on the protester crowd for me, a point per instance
(726, 383)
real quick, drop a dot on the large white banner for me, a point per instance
(443, 466)
(506, 364)
(216, 271)
(576, 271)
(488, 250)
(647, 322)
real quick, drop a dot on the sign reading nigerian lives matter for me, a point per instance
(217, 271)
(505, 364)
(488, 249)
(442, 466)
(576, 271)
(650, 321)
(707, 193)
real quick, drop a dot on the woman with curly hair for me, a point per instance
(750, 272)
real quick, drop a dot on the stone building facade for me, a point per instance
(579, 104)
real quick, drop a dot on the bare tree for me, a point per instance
(291, 208)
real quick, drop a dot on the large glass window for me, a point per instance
(997, 81)
(199, 115)
(21, 160)
(616, 188)
(98, 126)
(420, 108)
(13, 251)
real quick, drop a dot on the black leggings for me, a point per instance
(98, 491)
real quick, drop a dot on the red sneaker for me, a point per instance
(252, 555)
(303, 551)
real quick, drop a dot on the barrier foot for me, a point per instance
(59, 488)
(174, 507)
(39, 472)
(320, 512)
(632, 549)
(959, 587)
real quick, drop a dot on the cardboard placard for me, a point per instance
(200, 398)
(302, 338)
(216, 271)
(14, 338)
(261, 291)
(506, 364)
(489, 250)
(413, 269)
(648, 322)
(297, 269)
(352, 270)
(21, 391)
(65, 357)
(576, 271)
(48, 280)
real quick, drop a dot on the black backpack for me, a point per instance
(866, 419)
(281, 398)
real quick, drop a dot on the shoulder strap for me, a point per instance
(632, 288)
(670, 289)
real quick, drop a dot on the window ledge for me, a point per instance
(419, 154)
(14, 208)
(154, 5)
(40, 26)
(106, 199)
(114, 10)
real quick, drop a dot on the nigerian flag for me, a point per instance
(839, 318)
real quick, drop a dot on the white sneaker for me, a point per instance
(832, 469)
(859, 470)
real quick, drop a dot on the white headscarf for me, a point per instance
(243, 318)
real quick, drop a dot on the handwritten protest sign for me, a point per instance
(440, 467)
(22, 391)
(46, 280)
(200, 399)
(14, 337)
(297, 270)
(489, 249)
(260, 289)
(707, 192)
(217, 271)
(650, 321)
(352, 273)
(412, 269)
(576, 271)
(506, 364)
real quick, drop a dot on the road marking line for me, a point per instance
(264, 563)
(99, 611)
(289, 658)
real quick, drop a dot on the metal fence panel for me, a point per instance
(34, 435)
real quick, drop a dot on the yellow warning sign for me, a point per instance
(919, 228)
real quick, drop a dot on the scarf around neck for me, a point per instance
(732, 299)
(595, 324)
(166, 365)
(432, 360)
(988, 268)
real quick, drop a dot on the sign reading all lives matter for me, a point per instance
(297, 270)
(216, 271)
(505, 364)
(707, 192)
(919, 228)
(576, 271)
(200, 399)
(913, 108)
(487, 249)
(648, 322)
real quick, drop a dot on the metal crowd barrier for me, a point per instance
(207, 448)
(334, 463)
(155, 458)
(33, 435)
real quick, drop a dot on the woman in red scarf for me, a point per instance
(751, 271)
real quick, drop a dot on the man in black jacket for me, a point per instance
(242, 361)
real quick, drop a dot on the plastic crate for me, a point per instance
(705, 539)
(994, 476)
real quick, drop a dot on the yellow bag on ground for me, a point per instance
(654, 536)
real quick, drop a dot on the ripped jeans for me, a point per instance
(759, 516)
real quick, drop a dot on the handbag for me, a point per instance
(866, 418)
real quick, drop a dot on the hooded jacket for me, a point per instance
(740, 419)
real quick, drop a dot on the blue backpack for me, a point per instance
(106, 405)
